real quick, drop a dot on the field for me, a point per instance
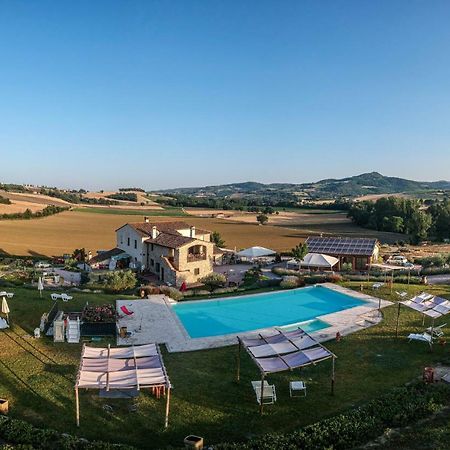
(37, 376)
(93, 229)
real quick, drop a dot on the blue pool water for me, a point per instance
(252, 312)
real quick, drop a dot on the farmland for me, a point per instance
(94, 229)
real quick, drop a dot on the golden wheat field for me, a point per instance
(66, 231)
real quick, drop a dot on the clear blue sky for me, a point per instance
(102, 94)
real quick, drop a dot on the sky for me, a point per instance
(159, 94)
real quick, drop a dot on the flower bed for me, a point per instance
(99, 314)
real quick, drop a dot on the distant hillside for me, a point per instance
(364, 184)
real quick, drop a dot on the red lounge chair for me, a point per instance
(126, 311)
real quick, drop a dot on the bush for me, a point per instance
(227, 290)
(214, 281)
(397, 408)
(20, 432)
(289, 282)
(120, 280)
(172, 292)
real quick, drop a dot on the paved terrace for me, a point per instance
(153, 320)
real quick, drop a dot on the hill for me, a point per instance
(364, 184)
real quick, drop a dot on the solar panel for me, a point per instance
(341, 246)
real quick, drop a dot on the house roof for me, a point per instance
(341, 246)
(103, 256)
(170, 240)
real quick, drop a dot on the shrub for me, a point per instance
(214, 281)
(148, 290)
(120, 280)
(103, 313)
(20, 432)
(397, 408)
(227, 290)
(172, 292)
(289, 282)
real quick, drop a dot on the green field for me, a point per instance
(38, 376)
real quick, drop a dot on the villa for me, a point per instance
(173, 251)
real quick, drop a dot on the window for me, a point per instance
(135, 243)
(197, 271)
(152, 262)
(128, 242)
(121, 238)
(151, 247)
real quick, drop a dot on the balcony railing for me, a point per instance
(191, 257)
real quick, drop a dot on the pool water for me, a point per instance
(203, 318)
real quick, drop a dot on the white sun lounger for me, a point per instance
(424, 337)
(269, 395)
(66, 298)
(437, 331)
(377, 285)
(6, 294)
(55, 296)
(401, 294)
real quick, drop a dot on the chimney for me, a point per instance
(154, 232)
(192, 232)
(146, 219)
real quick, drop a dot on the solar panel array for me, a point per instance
(341, 246)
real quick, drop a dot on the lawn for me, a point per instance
(38, 377)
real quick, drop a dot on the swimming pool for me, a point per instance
(203, 318)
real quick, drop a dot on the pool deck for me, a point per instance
(155, 321)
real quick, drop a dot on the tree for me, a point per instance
(120, 280)
(299, 252)
(214, 281)
(217, 239)
(80, 254)
(262, 219)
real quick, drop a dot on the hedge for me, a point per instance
(16, 431)
(397, 408)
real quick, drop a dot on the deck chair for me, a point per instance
(437, 331)
(401, 294)
(66, 298)
(55, 296)
(126, 311)
(377, 285)
(269, 395)
(424, 337)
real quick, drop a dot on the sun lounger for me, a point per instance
(66, 298)
(401, 294)
(377, 285)
(424, 337)
(6, 294)
(437, 331)
(55, 296)
(126, 311)
(269, 395)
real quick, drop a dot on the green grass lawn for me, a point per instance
(38, 376)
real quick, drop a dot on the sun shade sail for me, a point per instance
(284, 350)
(122, 368)
(429, 305)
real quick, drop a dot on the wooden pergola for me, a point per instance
(124, 368)
(281, 351)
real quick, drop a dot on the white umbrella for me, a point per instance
(40, 286)
(5, 308)
(256, 252)
(319, 260)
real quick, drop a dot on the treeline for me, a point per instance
(407, 216)
(127, 196)
(28, 214)
(5, 201)
(256, 204)
(131, 189)
(76, 197)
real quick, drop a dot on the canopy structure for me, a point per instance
(284, 351)
(428, 305)
(319, 260)
(256, 252)
(135, 367)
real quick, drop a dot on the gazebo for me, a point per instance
(283, 350)
(125, 368)
(255, 252)
(428, 305)
(317, 260)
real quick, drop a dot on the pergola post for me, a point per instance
(262, 394)
(77, 403)
(332, 375)
(166, 422)
(238, 373)
(398, 319)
